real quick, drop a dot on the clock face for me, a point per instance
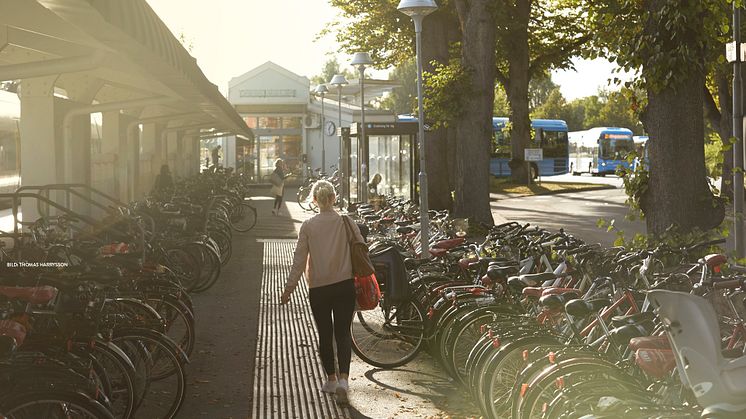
(330, 128)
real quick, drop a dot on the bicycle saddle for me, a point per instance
(32, 295)
(403, 223)
(516, 284)
(582, 308)
(714, 260)
(12, 334)
(552, 302)
(632, 318)
(623, 334)
(467, 263)
(404, 230)
(534, 280)
(495, 272)
(565, 292)
(372, 217)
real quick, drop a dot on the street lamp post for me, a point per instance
(322, 90)
(361, 60)
(339, 81)
(417, 10)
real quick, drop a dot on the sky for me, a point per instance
(231, 37)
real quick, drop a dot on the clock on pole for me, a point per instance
(330, 129)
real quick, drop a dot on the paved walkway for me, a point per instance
(254, 358)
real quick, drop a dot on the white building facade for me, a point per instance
(287, 120)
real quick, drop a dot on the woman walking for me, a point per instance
(278, 185)
(323, 250)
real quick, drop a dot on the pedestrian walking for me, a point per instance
(278, 184)
(323, 251)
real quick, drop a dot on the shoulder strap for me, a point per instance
(348, 228)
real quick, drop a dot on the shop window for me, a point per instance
(269, 122)
(291, 122)
(250, 121)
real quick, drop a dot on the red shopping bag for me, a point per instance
(368, 292)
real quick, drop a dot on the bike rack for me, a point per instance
(18, 225)
(69, 190)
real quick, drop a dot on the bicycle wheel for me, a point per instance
(53, 404)
(211, 267)
(302, 196)
(167, 375)
(388, 336)
(224, 244)
(179, 321)
(121, 374)
(243, 217)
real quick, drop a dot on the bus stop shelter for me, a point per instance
(392, 154)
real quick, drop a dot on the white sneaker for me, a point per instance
(342, 390)
(329, 387)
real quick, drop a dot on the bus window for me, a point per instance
(554, 143)
(502, 144)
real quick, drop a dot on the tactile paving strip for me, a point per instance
(288, 374)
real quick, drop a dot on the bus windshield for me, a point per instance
(616, 148)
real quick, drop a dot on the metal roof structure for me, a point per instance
(112, 51)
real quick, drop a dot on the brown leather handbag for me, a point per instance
(361, 264)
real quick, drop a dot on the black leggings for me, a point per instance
(278, 202)
(339, 299)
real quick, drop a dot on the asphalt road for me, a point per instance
(578, 213)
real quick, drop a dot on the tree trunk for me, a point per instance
(474, 129)
(725, 130)
(678, 193)
(439, 30)
(516, 88)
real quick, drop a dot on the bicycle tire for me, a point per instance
(380, 348)
(302, 198)
(120, 372)
(161, 348)
(31, 405)
(244, 218)
(540, 389)
(211, 269)
(174, 311)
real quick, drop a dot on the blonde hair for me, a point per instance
(324, 194)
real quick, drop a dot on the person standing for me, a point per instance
(216, 156)
(164, 182)
(278, 184)
(323, 251)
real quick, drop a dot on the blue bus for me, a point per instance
(550, 136)
(599, 151)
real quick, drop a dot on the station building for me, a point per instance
(286, 119)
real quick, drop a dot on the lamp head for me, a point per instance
(413, 8)
(361, 59)
(338, 80)
(321, 90)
